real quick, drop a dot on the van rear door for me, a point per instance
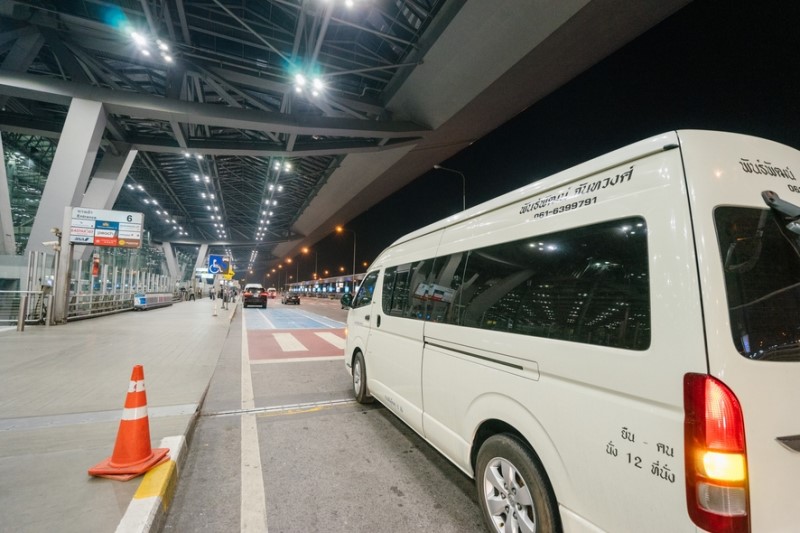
(749, 265)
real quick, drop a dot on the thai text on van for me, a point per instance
(766, 168)
(586, 187)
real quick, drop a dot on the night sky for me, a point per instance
(719, 65)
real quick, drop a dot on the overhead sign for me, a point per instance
(100, 227)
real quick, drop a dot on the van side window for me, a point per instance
(587, 285)
(364, 295)
(445, 284)
(397, 290)
(419, 289)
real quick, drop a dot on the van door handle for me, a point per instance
(378, 322)
(366, 317)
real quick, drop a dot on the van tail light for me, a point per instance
(716, 458)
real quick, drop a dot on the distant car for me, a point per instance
(272, 292)
(254, 294)
(290, 298)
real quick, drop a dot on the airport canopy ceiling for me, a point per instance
(261, 124)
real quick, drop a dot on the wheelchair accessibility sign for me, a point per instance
(216, 264)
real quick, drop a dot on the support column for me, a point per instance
(7, 242)
(201, 257)
(105, 185)
(108, 180)
(69, 173)
(202, 253)
(172, 261)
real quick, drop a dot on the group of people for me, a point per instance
(226, 294)
(189, 294)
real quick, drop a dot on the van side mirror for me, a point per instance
(347, 300)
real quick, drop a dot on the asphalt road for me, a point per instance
(296, 448)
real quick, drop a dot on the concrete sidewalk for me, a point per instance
(62, 389)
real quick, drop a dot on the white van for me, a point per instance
(613, 348)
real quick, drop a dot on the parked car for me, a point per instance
(290, 298)
(254, 294)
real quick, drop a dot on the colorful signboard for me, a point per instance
(100, 227)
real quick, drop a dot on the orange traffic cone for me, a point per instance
(132, 454)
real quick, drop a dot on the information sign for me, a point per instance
(216, 264)
(100, 227)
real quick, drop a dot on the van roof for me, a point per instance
(613, 159)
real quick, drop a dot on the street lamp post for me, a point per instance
(463, 184)
(340, 229)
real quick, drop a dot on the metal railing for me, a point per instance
(29, 307)
(90, 305)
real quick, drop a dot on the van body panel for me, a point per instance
(393, 350)
(733, 170)
(613, 395)
(395, 359)
(606, 420)
(616, 158)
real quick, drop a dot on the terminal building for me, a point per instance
(159, 156)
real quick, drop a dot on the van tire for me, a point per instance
(360, 380)
(524, 486)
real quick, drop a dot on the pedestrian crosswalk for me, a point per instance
(282, 335)
(289, 342)
(336, 340)
(271, 345)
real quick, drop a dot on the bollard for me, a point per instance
(23, 307)
(49, 318)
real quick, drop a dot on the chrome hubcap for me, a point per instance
(508, 498)
(357, 377)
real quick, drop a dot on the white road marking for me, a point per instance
(333, 339)
(289, 343)
(253, 500)
(297, 360)
(270, 324)
(322, 320)
(285, 408)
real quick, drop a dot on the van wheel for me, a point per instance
(360, 380)
(513, 489)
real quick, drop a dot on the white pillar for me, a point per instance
(104, 187)
(201, 257)
(69, 173)
(108, 180)
(172, 261)
(7, 242)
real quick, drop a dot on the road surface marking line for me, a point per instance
(324, 321)
(253, 510)
(270, 324)
(297, 360)
(285, 408)
(289, 343)
(331, 338)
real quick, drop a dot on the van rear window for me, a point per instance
(761, 265)
(587, 285)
